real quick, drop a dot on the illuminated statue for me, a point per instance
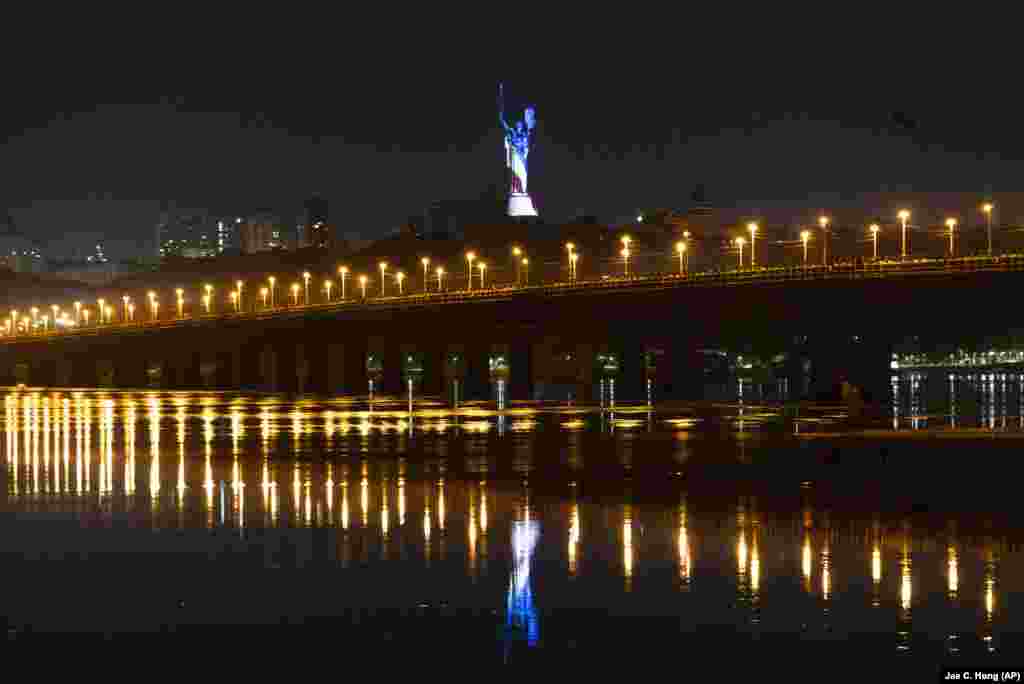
(517, 150)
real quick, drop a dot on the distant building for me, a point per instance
(316, 226)
(261, 232)
(191, 236)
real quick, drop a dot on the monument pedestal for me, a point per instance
(520, 204)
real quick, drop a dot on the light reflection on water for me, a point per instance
(390, 488)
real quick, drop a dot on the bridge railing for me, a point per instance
(605, 282)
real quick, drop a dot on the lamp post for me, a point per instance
(124, 314)
(626, 240)
(686, 239)
(156, 309)
(440, 275)
(241, 302)
(209, 295)
(181, 302)
(305, 279)
(362, 284)
(152, 300)
(85, 314)
(343, 274)
(100, 303)
(516, 256)
(681, 251)
(263, 293)
(903, 215)
(206, 303)
(752, 227)
(295, 294)
(951, 224)
(234, 300)
(823, 222)
(987, 208)
(483, 267)
(131, 312)
(35, 316)
(78, 310)
(569, 248)
(740, 241)
(399, 277)
(55, 309)
(426, 262)
(327, 286)
(109, 310)
(272, 280)
(383, 269)
(526, 270)
(874, 240)
(573, 259)
(469, 269)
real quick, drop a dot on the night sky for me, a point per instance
(382, 129)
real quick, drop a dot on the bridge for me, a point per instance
(637, 336)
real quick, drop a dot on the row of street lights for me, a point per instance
(82, 315)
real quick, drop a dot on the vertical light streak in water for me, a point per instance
(385, 515)
(755, 570)
(364, 495)
(471, 534)
(296, 492)
(32, 444)
(129, 443)
(903, 634)
(66, 443)
(440, 504)
(401, 501)
(876, 573)
(574, 534)
(683, 544)
(237, 476)
(13, 466)
(180, 418)
(426, 523)
(483, 526)
(154, 457)
(46, 444)
(952, 571)
(805, 558)
(107, 449)
(522, 614)
(208, 418)
(344, 503)
(990, 598)
(627, 545)
(826, 571)
(329, 492)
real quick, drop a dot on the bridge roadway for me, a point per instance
(548, 340)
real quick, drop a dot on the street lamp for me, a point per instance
(987, 208)
(85, 314)
(874, 240)
(903, 215)
(426, 262)
(440, 275)
(686, 239)
(234, 300)
(109, 311)
(124, 316)
(569, 247)
(295, 294)
(209, 295)
(739, 242)
(181, 302)
(951, 224)
(399, 277)
(152, 301)
(263, 293)
(305, 278)
(362, 284)
(469, 269)
(681, 251)
(78, 311)
(100, 303)
(625, 253)
(483, 267)
(55, 309)
(35, 316)
(752, 227)
(156, 309)
(573, 258)
(516, 254)
(272, 280)
(131, 311)
(206, 302)
(343, 274)
(241, 302)
(327, 286)
(526, 270)
(383, 268)
(823, 222)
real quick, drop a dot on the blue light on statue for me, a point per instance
(517, 150)
(522, 614)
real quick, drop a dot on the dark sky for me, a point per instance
(90, 146)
